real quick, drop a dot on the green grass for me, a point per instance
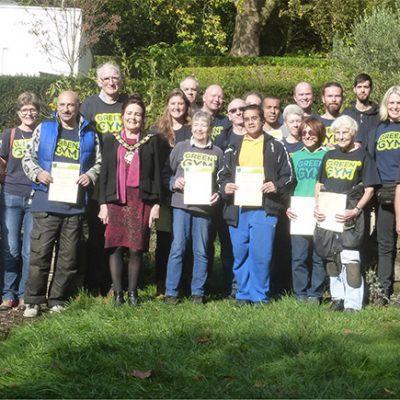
(286, 350)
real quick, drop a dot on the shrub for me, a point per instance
(373, 47)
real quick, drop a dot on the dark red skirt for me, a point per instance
(128, 224)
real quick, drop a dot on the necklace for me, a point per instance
(130, 148)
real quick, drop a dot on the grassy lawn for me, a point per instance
(285, 350)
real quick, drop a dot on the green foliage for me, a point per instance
(12, 87)
(287, 350)
(373, 47)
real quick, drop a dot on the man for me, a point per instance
(271, 106)
(213, 100)
(190, 86)
(304, 97)
(364, 111)
(67, 138)
(103, 110)
(332, 98)
(236, 131)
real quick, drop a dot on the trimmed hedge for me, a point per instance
(236, 81)
(268, 80)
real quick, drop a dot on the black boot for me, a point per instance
(132, 299)
(119, 299)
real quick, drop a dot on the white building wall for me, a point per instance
(20, 50)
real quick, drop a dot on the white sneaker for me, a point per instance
(31, 310)
(57, 309)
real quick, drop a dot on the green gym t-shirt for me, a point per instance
(306, 167)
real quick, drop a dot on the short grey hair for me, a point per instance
(202, 115)
(346, 122)
(110, 65)
(292, 109)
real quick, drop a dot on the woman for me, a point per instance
(130, 194)
(191, 220)
(173, 127)
(308, 270)
(252, 229)
(349, 170)
(15, 211)
(293, 116)
(382, 144)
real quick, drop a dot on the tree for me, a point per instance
(251, 16)
(66, 22)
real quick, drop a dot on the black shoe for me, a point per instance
(119, 299)
(132, 299)
(242, 303)
(171, 300)
(197, 299)
(337, 305)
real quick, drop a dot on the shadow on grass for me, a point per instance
(199, 360)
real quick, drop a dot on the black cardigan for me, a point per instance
(152, 156)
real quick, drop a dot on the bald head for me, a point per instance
(303, 96)
(190, 86)
(68, 109)
(213, 99)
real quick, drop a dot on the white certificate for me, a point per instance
(305, 222)
(64, 187)
(330, 204)
(249, 181)
(198, 185)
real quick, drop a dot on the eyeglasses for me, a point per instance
(309, 133)
(26, 111)
(111, 79)
(234, 110)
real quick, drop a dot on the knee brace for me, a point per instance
(353, 275)
(333, 268)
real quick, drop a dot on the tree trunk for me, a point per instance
(250, 18)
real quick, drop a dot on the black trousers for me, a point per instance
(49, 230)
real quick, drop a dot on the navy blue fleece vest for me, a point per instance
(49, 132)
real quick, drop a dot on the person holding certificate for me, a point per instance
(15, 207)
(194, 164)
(63, 158)
(173, 127)
(349, 170)
(308, 269)
(262, 162)
(129, 195)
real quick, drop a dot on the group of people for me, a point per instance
(127, 180)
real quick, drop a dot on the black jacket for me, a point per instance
(152, 155)
(367, 121)
(277, 169)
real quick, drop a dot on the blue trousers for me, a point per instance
(252, 244)
(308, 269)
(186, 225)
(15, 217)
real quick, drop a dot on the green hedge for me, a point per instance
(268, 80)
(12, 86)
(236, 81)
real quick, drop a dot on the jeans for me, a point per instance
(308, 269)
(252, 244)
(49, 229)
(16, 226)
(186, 225)
(387, 238)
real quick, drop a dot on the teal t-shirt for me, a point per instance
(306, 166)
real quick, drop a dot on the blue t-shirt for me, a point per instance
(387, 151)
(67, 150)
